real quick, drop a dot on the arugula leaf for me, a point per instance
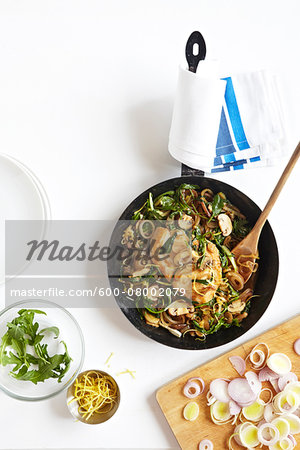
(167, 247)
(31, 359)
(205, 282)
(5, 341)
(12, 359)
(15, 332)
(67, 361)
(18, 346)
(35, 311)
(42, 352)
(22, 333)
(241, 227)
(217, 206)
(54, 330)
(38, 338)
(180, 198)
(165, 202)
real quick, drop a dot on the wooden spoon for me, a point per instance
(248, 246)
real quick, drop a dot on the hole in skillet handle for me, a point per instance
(196, 40)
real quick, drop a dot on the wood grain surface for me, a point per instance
(172, 401)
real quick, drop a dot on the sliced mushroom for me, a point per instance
(225, 224)
(236, 307)
(182, 258)
(228, 317)
(178, 308)
(185, 222)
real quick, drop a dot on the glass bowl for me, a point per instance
(95, 418)
(22, 197)
(69, 332)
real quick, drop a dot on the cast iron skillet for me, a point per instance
(266, 277)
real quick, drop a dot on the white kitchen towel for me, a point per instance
(251, 127)
(196, 115)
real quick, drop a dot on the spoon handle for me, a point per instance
(282, 180)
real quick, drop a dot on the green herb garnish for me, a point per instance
(22, 346)
(217, 206)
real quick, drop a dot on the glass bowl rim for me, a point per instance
(72, 379)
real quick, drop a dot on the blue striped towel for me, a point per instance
(251, 129)
(265, 129)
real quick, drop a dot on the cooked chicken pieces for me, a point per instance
(168, 264)
(209, 276)
(199, 284)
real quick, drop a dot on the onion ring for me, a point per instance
(265, 441)
(270, 399)
(283, 381)
(275, 386)
(238, 363)
(210, 398)
(266, 374)
(254, 382)
(269, 413)
(260, 364)
(234, 408)
(191, 389)
(219, 389)
(297, 346)
(291, 437)
(241, 392)
(206, 445)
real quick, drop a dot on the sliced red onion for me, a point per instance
(275, 386)
(261, 422)
(297, 346)
(297, 412)
(237, 434)
(254, 382)
(258, 353)
(238, 363)
(234, 408)
(244, 405)
(268, 434)
(219, 389)
(267, 374)
(191, 389)
(283, 381)
(261, 358)
(201, 382)
(206, 445)
(241, 392)
(210, 399)
(291, 438)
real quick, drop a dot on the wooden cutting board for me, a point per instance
(172, 400)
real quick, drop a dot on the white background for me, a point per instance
(86, 91)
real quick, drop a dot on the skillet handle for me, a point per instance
(188, 171)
